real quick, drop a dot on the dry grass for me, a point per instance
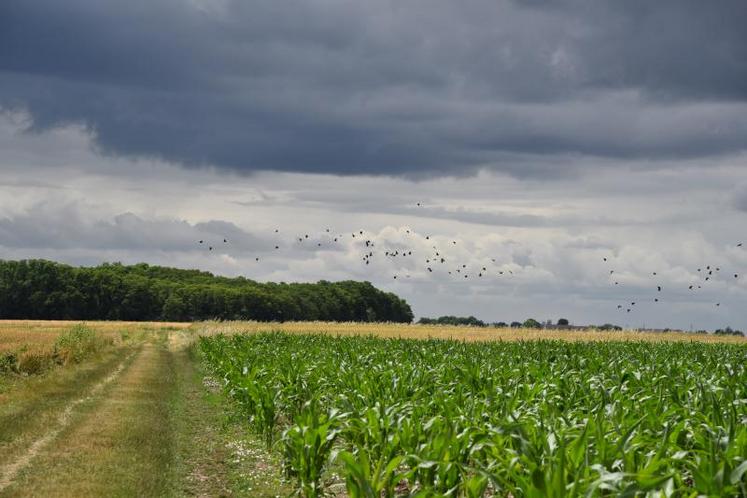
(41, 334)
(406, 331)
(29, 346)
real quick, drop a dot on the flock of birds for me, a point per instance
(438, 258)
(706, 275)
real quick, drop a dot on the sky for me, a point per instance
(540, 136)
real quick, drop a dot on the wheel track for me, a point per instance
(11, 471)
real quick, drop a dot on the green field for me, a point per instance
(529, 418)
(367, 410)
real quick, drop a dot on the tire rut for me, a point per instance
(9, 472)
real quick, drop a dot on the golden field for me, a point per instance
(41, 334)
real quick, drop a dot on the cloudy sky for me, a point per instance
(543, 135)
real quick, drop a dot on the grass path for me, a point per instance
(134, 422)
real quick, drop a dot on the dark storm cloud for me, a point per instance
(385, 87)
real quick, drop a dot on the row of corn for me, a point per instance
(399, 417)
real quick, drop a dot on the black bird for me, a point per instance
(654, 273)
(718, 304)
(210, 248)
(277, 247)
(256, 259)
(619, 306)
(605, 259)
(656, 299)
(633, 303)
(225, 241)
(736, 275)
(276, 230)
(739, 245)
(690, 287)
(658, 287)
(201, 242)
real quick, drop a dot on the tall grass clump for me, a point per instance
(399, 417)
(77, 343)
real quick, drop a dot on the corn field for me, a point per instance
(401, 417)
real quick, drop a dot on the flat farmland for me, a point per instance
(351, 409)
(461, 333)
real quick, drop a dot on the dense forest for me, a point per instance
(39, 289)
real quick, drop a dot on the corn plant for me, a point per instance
(527, 419)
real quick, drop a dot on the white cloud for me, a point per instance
(551, 234)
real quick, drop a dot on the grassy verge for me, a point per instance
(30, 405)
(119, 443)
(221, 458)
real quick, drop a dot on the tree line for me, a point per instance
(40, 289)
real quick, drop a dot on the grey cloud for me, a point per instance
(740, 199)
(60, 227)
(416, 88)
